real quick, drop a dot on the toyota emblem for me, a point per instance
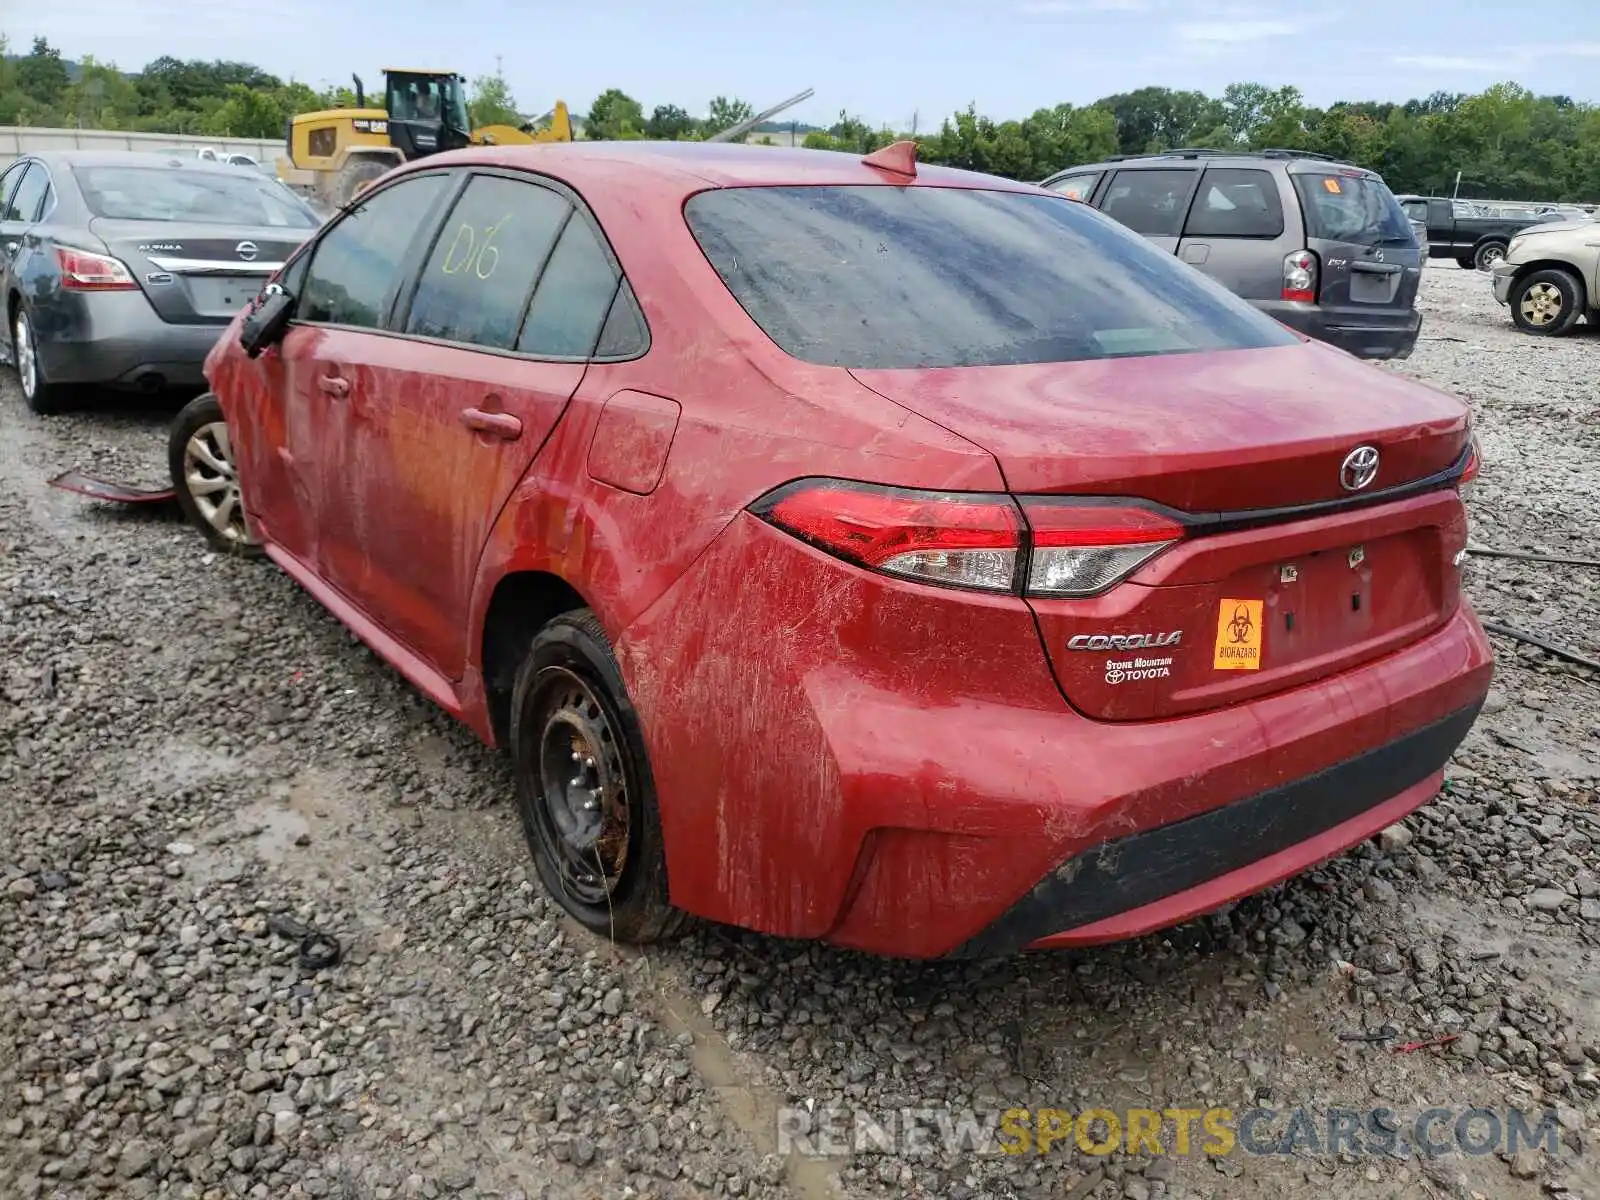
(1360, 467)
(246, 250)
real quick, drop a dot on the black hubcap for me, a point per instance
(581, 802)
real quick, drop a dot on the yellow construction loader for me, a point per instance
(332, 155)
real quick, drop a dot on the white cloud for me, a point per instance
(1510, 58)
(1448, 62)
(1237, 31)
(1039, 8)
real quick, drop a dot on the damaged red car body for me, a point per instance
(913, 560)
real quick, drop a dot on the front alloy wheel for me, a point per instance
(200, 458)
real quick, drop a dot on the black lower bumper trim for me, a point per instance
(1142, 868)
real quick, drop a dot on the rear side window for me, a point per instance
(891, 277)
(1077, 187)
(1236, 203)
(1351, 208)
(1149, 202)
(356, 266)
(27, 200)
(476, 283)
(573, 299)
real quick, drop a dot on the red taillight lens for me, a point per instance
(1300, 276)
(1469, 473)
(1072, 548)
(1081, 549)
(85, 272)
(956, 540)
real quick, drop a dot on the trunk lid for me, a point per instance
(1369, 259)
(198, 275)
(1272, 600)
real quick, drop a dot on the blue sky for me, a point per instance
(881, 59)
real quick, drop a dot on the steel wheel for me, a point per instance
(583, 812)
(1541, 304)
(211, 481)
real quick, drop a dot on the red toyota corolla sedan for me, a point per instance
(851, 549)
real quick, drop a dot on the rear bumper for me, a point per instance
(1149, 880)
(116, 338)
(1371, 336)
(822, 774)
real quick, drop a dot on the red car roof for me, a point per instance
(682, 165)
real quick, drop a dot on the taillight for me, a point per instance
(1060, 548)
(1469, 473)
(1081, 549)
(1300, 276)
(952, 539)
(85, 272)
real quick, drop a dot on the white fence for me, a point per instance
(16, 140)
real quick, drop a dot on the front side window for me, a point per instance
(490, 250)
(882, 277)
(356, 266)
(1236, 203)
(1149, 202)
(179, 194)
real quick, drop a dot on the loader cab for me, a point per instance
(427, 111)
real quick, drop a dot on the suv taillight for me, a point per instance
(1048, 547)
(1300, 276)
(85, 272)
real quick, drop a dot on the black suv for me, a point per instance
(1321, 245)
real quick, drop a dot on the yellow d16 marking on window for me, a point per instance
(1238, 636)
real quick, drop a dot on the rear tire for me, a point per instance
(355, 175)
(1547, 303)
(1464, 261)
(1486, 255)
(584, 787)
(40, 395)
(200, 458)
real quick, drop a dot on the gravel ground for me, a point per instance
(189, 746)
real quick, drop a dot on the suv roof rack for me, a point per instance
(1202, 152)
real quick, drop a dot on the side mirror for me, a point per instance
(266, 319)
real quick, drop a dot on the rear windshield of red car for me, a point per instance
(890, 277)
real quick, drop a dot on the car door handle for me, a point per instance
(333, 385)
(499, 425)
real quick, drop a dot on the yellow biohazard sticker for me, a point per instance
(1238, 636)
(1331, 185)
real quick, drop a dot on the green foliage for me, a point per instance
(1505, 141)
(492, 102)
(614, 116)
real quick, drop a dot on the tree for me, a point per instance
(668, 123)
(724, 113)
(492, 102)
(42, 75)
(615, 115)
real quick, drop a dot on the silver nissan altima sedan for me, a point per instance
(122, 269)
